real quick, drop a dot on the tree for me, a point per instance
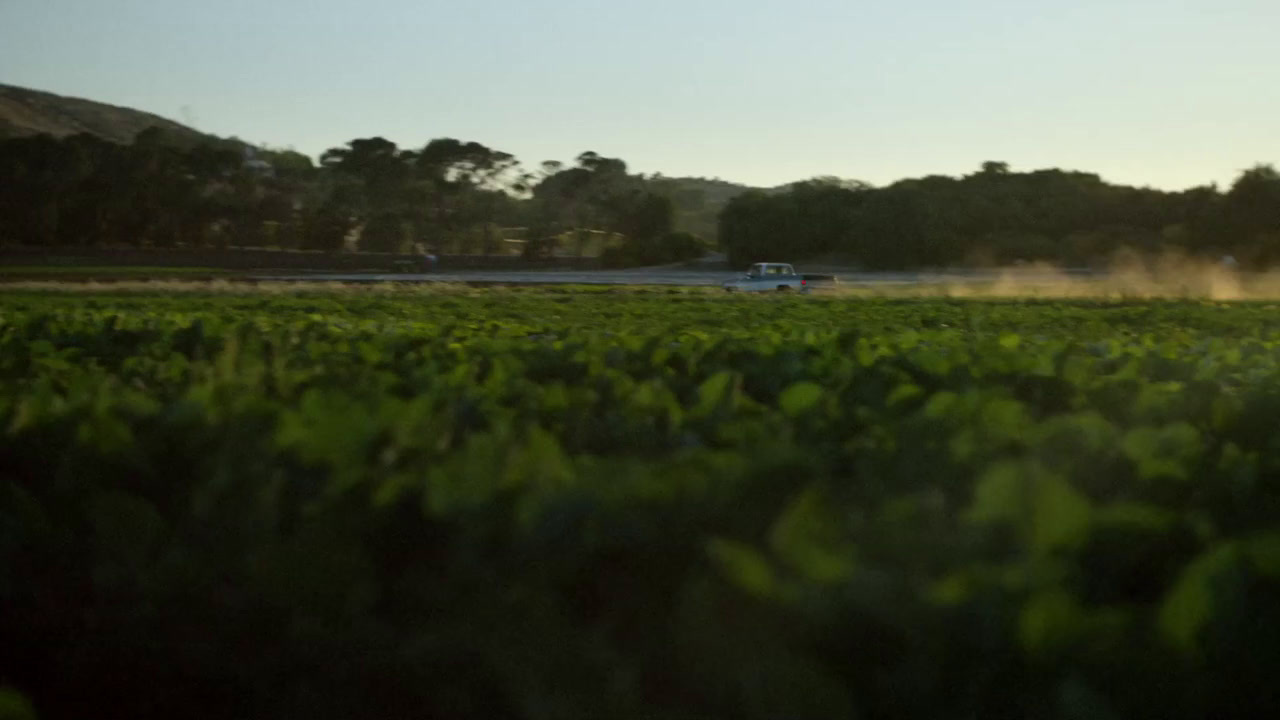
(1253, 202)
(384, 232)
(995, 215)
(157, 192)
(326, 228)
(648, 216)
(1250, 215)
(289, 163)
(382, 169)
(466, 183)
(755, 225)
(597, 194)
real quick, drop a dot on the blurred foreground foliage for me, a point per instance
(544, 504)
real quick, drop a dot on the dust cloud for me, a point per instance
(1129, 276)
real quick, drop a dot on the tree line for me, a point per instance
(995, 216)
(449, 196)
(458, 197)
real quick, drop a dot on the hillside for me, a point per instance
(31, 112)
(698, 201)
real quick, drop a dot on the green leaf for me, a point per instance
(1049, 622)
(1188, 606)
(941, 404)
(808, 538)
(800, 397)
(471, 477)
(1000, 495)
(1165, 452)
(1061, 515)
(540, 462)
(716, 393)
(1050, 513)
(1004, 419)
(743, 565)
(902, 394)
(1069, 436)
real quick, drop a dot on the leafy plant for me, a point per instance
(627, 503)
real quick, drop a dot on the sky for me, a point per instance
(1161, 93)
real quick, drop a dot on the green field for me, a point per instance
(107, 271)
(631, 503)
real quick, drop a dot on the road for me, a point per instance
(642, 276)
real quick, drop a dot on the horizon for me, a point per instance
(756, 95)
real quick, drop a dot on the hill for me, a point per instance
(26, 112)
(698, 201)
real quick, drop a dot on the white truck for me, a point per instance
(777, 277)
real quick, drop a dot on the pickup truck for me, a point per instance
(777, 277)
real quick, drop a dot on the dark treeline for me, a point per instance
(466, 198)
(995, 216)
(370, 195)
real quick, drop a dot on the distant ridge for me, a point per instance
(25, 112)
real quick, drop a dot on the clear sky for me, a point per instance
(1167, 93)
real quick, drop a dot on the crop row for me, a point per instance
(565, 504)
